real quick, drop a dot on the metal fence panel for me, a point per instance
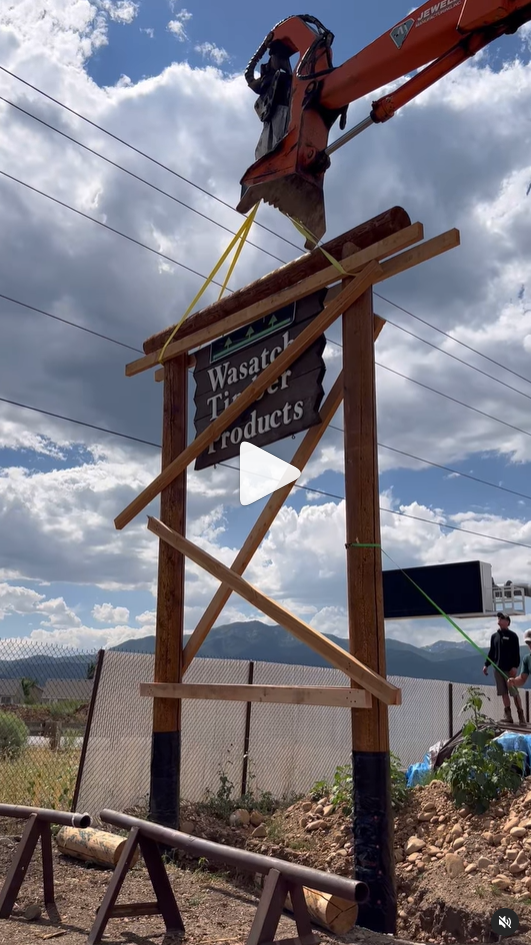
(293, 746)
(116, 772)
(492, 705)
(421, 720)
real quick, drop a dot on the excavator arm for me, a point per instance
(299, 105)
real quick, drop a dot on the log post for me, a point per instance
(166, 741)
(372, 811)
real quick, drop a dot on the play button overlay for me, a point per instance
(261, 473)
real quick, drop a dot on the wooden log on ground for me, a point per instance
(93, 846)
(369, 232)
(327, 911)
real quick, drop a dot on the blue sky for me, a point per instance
(61, 480)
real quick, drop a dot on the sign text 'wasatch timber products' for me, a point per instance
(226, 367)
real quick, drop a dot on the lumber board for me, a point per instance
(286, 695)
(335, 655)
(293, 293)
(363, 235)
(419, 254)
(264, 521)
(356, 287)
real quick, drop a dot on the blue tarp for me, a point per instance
(510, 741)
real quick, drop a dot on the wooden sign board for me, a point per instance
(226, 367)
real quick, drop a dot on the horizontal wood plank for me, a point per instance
(363, 235)
(334, 654)
(319, 280)
(287, 695)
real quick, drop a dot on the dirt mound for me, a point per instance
(454, 868)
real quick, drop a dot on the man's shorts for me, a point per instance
(502, 688)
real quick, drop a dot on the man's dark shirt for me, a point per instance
(504, 650)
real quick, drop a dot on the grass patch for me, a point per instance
(40, 778)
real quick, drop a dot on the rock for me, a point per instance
(304, 821)
(430, 806)
(32, 912)
(323, 802)
(518, 832)
(424, 817)
(456, 831)
(527, 799)
(259, 831)
(306, 806)
(527, 883)
(454, 865)
(471, 868)
(484, 863)
(313, 825)
(502, 882)
(239, 818)
(319, 809)
(399, 856)
(256, 818)
(343, 852)
(458, 843)
(441, 831)
(187, 826)
(464, 812)
(328, 810)
(510, 824)
(517, 867)
(511, 855)
(432, 851)
(414, 845)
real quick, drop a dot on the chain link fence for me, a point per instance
(75, 732)
(45, 695)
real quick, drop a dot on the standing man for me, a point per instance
(505, 653)
(521, 680)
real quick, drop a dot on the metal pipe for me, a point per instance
(349, 135)
(350, 889)
(62, 818)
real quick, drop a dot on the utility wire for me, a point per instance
(419, 459)
(453, 399)
(136, 439)
(223, 203)
(143, 154)
(136, 176)
(65, 321)
(456, 472)
(455, 340)
(106, 226)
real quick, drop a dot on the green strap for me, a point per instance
(356, 544)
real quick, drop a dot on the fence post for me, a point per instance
(248, 708)
(527, 704)
(90, 715)
(450, 710)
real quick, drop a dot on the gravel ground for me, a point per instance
(214, 910)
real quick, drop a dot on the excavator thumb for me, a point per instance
(290, 157)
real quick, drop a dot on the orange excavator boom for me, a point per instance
(299, 105)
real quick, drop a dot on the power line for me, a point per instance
(453, 399)
(106, 226)
(228, 206)
(457, 528)
(136, 176)
(454, 357)
(143, 154)
(455, 340)
(65, 321)
(456, 472)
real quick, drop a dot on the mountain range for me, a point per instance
(452, 661)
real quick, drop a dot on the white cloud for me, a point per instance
(106, 613)
(217, 54)
(18, 600)
(121, 11)
(459, 156)
(59, 615)
(177, 26)
(148, 30)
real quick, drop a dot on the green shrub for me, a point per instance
(479, 769)
(13, 735)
